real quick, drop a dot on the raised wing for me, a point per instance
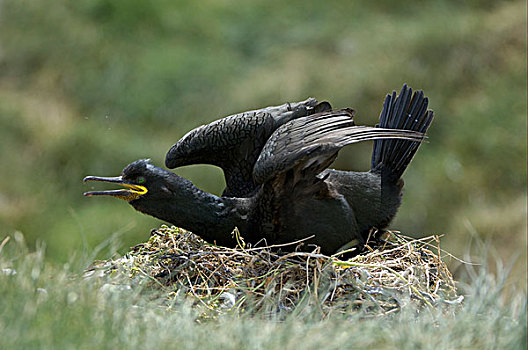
(309, 145)
(235, 142)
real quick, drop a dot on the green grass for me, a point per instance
(52, 306)
(86, 87)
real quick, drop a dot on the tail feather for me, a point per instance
(408, 111)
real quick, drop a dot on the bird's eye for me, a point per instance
(141, 180)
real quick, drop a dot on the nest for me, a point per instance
(395, 271)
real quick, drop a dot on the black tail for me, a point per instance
(408, 112)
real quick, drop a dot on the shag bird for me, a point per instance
(295, 195)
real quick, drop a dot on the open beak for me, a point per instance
(129, 193)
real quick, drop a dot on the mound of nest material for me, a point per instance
(394, 272)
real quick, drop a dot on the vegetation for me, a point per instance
(86, 87)
(45, 306)
(395, 272)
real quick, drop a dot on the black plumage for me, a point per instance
(234, 143)
(295, 195)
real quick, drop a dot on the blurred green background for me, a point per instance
(88, 86)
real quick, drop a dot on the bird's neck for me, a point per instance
(211, 217)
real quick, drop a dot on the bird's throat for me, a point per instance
(211, 217)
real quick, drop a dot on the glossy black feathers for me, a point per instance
(312, 143)
(408, 111)
(279, 187)
(234, 143)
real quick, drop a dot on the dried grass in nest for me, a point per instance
(396, 271)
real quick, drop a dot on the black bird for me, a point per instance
(296, 196)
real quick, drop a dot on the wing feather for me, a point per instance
(313, 142)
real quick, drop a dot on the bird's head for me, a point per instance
(140, 180)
